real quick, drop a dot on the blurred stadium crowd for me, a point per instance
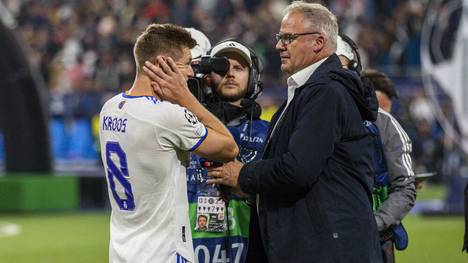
(83, 50)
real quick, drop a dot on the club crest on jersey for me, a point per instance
(191, 118)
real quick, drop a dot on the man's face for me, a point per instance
(233, 86)
(384, 101)
(183, 64)
(301, 52)
(201, 221)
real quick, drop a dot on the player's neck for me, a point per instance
(141, 87)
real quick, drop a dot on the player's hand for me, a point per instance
(227, 174)
(167, 81)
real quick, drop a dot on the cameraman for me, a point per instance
(232, 99)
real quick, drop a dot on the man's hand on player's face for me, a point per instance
(167, 81)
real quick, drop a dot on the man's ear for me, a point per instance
(318, 44)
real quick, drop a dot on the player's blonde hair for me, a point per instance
(161, 39)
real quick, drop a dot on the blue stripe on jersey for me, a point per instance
(150, 98)
(125, 95)
(200, 141)
(180, 259)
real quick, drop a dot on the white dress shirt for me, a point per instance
(295, 81)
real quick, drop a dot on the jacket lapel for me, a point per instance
(313, 79)
(273, 122)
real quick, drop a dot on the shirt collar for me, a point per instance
(299, 78)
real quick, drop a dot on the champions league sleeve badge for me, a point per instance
(191, 118)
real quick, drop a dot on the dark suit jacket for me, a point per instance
(316, 176)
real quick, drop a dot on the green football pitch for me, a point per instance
(83, 237)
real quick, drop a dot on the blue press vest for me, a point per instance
(231, 243)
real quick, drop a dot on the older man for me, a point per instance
(315, 180)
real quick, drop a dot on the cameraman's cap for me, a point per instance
(344, 49)
(232, 46)
(203, 43)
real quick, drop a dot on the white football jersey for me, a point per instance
(144, 144)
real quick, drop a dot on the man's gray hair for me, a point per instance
(319, 16)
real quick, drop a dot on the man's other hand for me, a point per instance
(227, 174)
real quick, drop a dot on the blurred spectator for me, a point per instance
(421, 108)
(387, 32)
(107, 72)
(83, 49)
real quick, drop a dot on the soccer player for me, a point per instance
(145, 143)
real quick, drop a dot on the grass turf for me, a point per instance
(431, 192)
(434, 239)
(47, 238)
(83, 237)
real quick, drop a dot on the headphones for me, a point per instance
(354, 64)
(254, 84)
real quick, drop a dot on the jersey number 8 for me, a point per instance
(121, 174)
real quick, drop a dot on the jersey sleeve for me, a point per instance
(181, 129)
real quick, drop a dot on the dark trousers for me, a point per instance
(388, 252)
(256, 252)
